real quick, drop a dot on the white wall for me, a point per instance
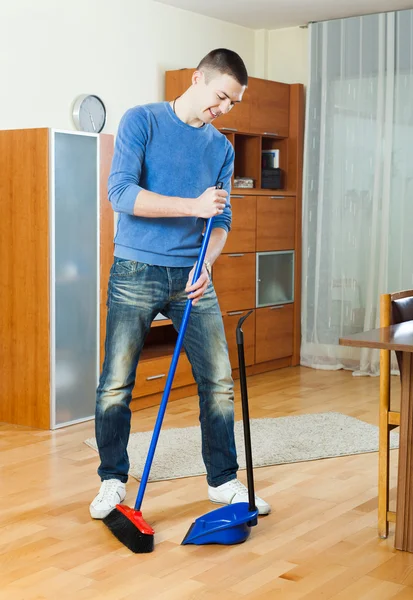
(282, 54)
(288, 55)
(261, 53)
(51, 51)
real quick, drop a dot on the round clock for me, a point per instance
(89, 113)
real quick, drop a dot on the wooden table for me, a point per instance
(398, 337)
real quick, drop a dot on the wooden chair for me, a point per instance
(394, 308)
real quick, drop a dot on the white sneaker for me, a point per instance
(234, 491)
(111, 493)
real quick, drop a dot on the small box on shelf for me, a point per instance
(272, 179)
(270, 159)
(244, 182)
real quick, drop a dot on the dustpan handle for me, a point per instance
(174, 364)
(245, 413)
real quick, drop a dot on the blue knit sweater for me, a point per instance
(156, 151)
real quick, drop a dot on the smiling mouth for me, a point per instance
(214, 115)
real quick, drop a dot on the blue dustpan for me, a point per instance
(226, 525)
(231, 524)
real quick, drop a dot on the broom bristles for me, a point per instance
(128, 526)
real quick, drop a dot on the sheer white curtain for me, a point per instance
(358, 182)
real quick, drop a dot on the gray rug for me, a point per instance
(274, 442)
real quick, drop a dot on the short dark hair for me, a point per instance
(226, 62)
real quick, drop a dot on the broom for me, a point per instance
(128, 524)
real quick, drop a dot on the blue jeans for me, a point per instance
(137, 293)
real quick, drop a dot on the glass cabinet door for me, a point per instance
(275, 278)
(74, 276)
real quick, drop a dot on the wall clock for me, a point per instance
(89, 113)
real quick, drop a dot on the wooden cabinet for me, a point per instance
(270, 107)
(230, 323)
(275, 223)
(234, 281)
(273, 332)
(55, 231)
(242, 236)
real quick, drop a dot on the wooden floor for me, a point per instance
(319, 542)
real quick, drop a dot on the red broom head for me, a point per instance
(131, 529)
(136, 517)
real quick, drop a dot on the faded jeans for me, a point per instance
(137, 293)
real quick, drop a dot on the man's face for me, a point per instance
(218, 96)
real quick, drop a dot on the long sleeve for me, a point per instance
(128, 158)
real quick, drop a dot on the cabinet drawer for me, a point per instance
(273, 332)
(234, 281)
(241, 238)
(230, 323)
(270, 107)
(275, 223)
(152, 374)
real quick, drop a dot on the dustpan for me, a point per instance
(231, 524)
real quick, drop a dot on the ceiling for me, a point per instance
(276, 14)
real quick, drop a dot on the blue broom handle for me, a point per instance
(172, 369)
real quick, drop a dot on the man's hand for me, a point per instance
(196, 291)
(210, 203)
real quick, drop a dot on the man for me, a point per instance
(167, 161)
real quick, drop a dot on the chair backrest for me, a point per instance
(401, 311)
